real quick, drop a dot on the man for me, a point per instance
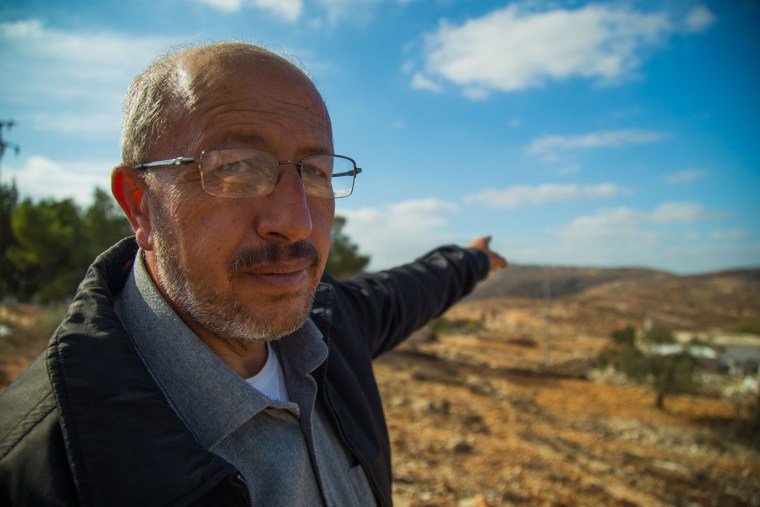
(208, 360)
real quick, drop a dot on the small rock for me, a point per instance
(473, 501)
(461, 446)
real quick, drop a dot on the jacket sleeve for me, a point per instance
(391, 305)
(34, 468)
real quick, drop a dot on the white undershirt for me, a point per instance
(270, 381)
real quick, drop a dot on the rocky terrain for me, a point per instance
(513, 411)
(505, 406)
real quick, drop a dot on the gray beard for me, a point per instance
(218, 314)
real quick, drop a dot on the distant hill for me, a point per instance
(723, 299)
(525, 281)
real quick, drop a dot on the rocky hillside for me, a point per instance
(526, 281)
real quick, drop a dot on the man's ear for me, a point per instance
(130, 192)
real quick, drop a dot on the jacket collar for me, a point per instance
(92, 363)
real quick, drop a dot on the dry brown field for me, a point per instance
(493, 416)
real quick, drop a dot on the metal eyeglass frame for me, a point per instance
(299, 163)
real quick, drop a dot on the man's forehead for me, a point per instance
(270, 78)
(245, 61)
(245, 95)
(250, 137)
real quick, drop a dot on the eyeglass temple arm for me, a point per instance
(349, 173)
(173, 161)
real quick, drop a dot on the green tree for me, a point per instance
(51, 252)
(646, 362)
(344, 259)
(55, 242)
(625, 336)
(672, 374)
(9, 280)
(104, 222)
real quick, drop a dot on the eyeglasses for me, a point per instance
(245, 172)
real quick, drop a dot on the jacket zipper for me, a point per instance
(238, 477)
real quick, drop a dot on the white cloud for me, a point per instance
(607, 227)
(356, 10)
(223, 5)
(40, 178)
(524, 45)
(624, 236)
(79, 57)
(317, 13)
(699, 19)
(682, 212)
(353, 11)
(623, 225)
(731, 235)
(684, 176)
(399, 232)
(547, 147)
(421, 82)
(91, 125)
(287, 10)
(519, 195)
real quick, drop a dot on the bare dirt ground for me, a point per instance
(480, 418)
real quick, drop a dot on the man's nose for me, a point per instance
(285, 216)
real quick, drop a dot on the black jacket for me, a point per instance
(86, 424)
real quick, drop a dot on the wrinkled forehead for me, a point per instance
(247, 90)
(255, 75)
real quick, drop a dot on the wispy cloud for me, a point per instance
(358, 11)
(699, 19)
(420, 82)
(627, 225)
(46, 70)
(547, 147)
(520, 195)
(624, 236)
(608, 227)
(398, 232)
(319, 12)
(684, 176)
(683, 212)
(223, 5)
(528, 44)
(731, 235)
(41, 178)
(286, 10)
(92, 125)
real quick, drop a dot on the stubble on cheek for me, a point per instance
(216, 305)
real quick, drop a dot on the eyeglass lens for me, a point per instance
(249, 173)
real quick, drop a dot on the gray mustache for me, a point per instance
(271, 253)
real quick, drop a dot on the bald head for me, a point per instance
(166, 96)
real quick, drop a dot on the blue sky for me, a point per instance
(576, 133)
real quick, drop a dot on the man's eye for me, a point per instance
(234, 167)
(313, 171)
